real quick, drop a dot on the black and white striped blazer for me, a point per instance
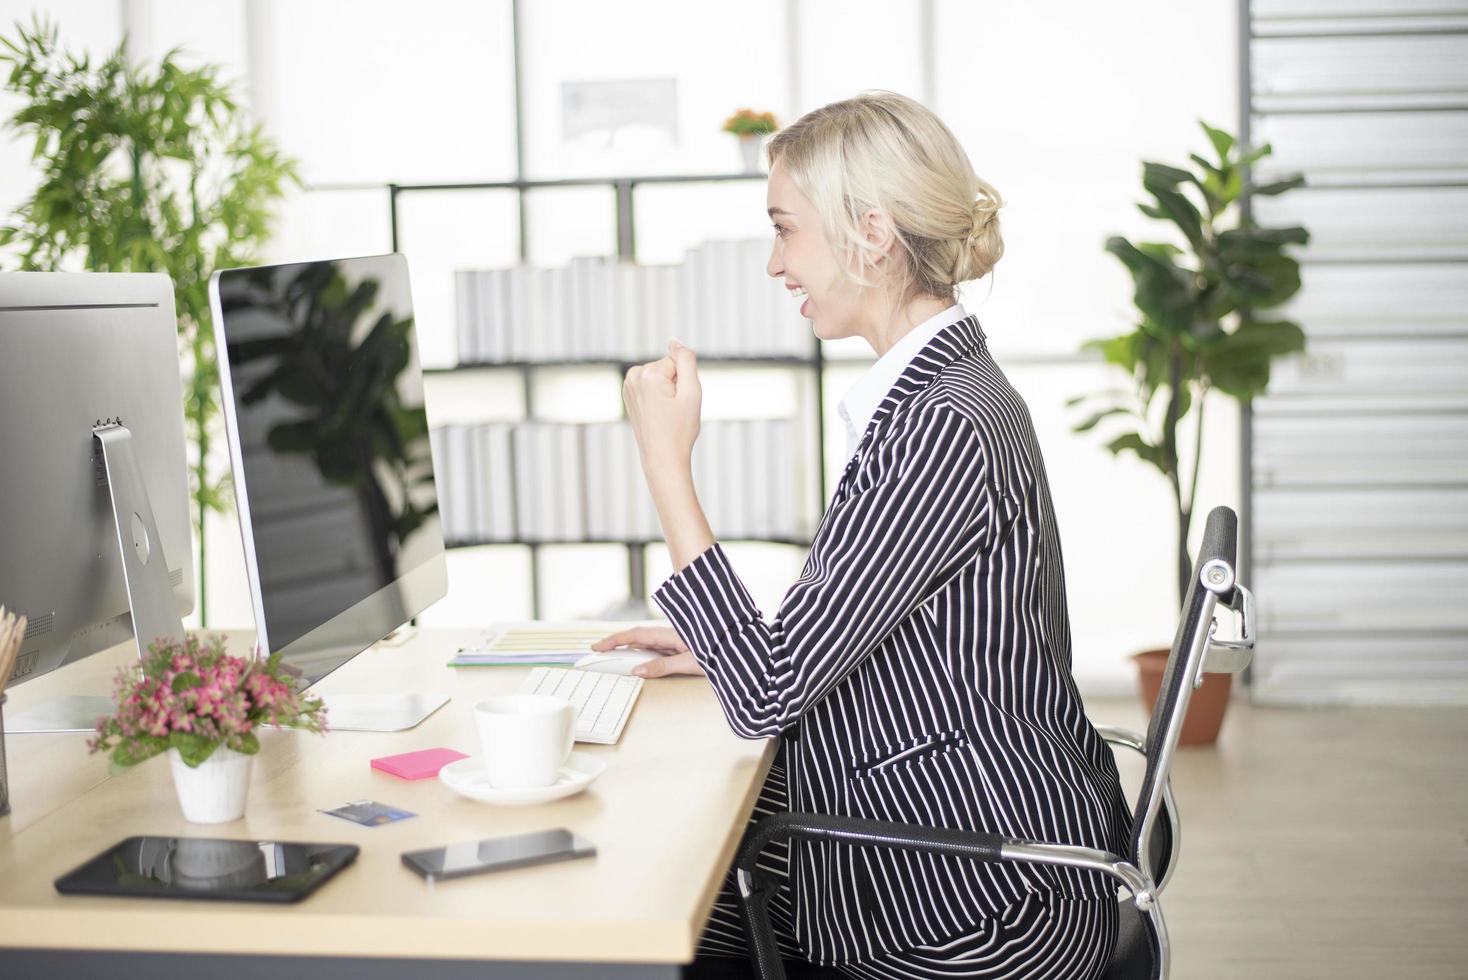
(920, 667)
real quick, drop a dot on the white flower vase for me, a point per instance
(749, 149)
(215, 791)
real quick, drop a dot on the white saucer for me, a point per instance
(466, 777)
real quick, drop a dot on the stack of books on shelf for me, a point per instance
(618, 504)
(550, 481)
(476, 498)
(718, 301)
(556, 481)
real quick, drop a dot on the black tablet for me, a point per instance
(202, 867)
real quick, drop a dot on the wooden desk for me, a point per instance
(666, 817)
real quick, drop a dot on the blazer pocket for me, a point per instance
(908, 751)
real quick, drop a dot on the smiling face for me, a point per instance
(805, 259)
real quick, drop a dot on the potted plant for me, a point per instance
(749, 126)
(204, 708)
(144, 169)
(1198, 329)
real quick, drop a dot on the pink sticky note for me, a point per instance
(417, 765)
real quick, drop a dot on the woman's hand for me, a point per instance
(677, 658)
(664, 399)
(663, 403)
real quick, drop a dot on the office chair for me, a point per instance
(1142, 949)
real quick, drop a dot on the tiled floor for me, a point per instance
(1328, 842)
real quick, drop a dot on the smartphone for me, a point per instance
(498, 853)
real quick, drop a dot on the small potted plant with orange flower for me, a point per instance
(204, 708)
(750, 126)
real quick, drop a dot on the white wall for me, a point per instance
(1056, 104)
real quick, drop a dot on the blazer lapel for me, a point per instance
(952, 342)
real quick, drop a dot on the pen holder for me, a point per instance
(4, 778)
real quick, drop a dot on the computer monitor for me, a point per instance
(333, 475)
(95, 537)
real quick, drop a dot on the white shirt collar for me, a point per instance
(860, 403)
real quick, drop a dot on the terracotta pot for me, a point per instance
(1205, 707)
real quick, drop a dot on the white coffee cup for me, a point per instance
(526, 738)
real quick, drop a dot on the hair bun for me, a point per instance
(985, 215)
(983, 246)
(986, 206)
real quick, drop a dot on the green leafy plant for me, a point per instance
(144, 169)
(194, 697)
(1199, 327)
(747, 122)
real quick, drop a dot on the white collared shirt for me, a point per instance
(861, 400)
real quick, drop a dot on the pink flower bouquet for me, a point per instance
(194, 697)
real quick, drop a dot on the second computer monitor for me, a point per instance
(84, 358)
(323, 399)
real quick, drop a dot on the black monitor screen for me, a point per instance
(339, 508)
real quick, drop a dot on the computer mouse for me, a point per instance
(615, 661)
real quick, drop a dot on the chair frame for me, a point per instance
(1156, 833)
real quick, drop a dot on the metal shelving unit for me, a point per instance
(625, 192)
(626, 249)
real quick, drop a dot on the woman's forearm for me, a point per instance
(685, 528)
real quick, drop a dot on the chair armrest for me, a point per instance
(941, 840)
(756, 888)
(857, 830)
(1086, 858)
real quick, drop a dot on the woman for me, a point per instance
(919, 668)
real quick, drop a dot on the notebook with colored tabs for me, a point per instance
(534, 644)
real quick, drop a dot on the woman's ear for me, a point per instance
(878, 232)
(876, 227)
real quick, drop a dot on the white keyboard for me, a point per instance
(603, 701)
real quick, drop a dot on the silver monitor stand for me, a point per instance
(379, 712)
(149, 594)
(382, 712)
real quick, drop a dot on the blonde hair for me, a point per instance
(886, 152)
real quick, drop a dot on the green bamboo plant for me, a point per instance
(144, 169)
(1199, 326)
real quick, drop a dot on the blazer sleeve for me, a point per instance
(876, 557)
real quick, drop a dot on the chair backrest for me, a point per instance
(1213, 581)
